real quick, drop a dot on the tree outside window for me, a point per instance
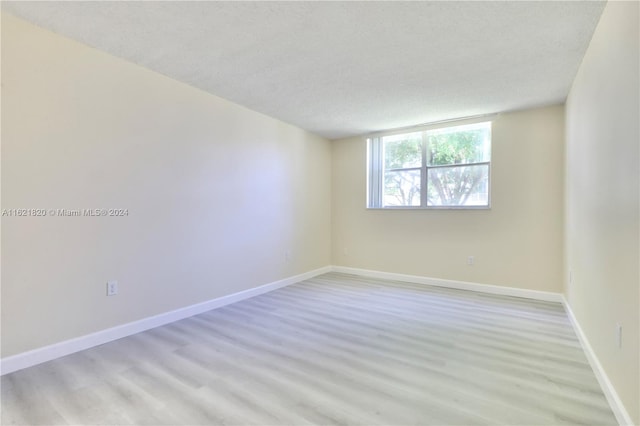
(446, 167)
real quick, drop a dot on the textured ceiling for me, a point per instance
(344, 68)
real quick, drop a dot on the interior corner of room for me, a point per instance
(122, 180)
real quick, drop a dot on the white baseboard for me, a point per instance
(57, 350)
(460, 285)
(622, 416)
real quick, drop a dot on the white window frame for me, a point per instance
(375, 170)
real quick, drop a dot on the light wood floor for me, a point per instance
(336, 349)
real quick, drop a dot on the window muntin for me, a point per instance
(441, 168)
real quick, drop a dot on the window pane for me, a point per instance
(458, 186)
(402, 188)
(402, 151)
(459, 145)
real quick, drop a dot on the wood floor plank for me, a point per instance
(336, 349)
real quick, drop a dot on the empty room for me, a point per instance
(320, 213)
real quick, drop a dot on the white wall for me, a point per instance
(517, 243)
(603, 184)
(216, 193)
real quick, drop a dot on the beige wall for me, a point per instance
(602, 198)
(517, 243)
(216, 193)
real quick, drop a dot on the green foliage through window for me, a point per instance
(437, 168)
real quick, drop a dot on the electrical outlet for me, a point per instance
(471, 260)
(112, 288)
(287, 256)
(619, 335)
(570, 276)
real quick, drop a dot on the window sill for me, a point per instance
(432, 208)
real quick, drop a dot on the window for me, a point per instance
(441, 168)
